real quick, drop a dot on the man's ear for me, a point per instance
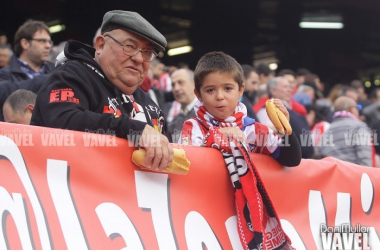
(100, 41)
(24, 44)
(198, 95)
(30, 108)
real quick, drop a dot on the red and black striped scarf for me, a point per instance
(258, 224)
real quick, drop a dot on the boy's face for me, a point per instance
(220, 94)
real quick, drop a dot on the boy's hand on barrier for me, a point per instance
(233, 133)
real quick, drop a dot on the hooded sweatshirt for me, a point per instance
(78, 96)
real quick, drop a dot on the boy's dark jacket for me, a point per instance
(77, 96)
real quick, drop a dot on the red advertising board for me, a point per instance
(62, 189)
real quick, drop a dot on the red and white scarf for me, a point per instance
(208, 120)
(344, 113)
(257, 217)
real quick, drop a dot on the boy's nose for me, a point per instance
(219, 95)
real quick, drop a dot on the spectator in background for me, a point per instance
(4, 39)
(161, 78)
(319, 87)
(372, 111)
(351, 138)
(28, 68)
(183, 90)
(289, 75)
(251, 81)
(305, 95)
(5, 55)
(279, 87)
(18, 107)
(265, 73)
(362, 96)
(301, 75)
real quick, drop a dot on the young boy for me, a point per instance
(218, 86)
(221, 122)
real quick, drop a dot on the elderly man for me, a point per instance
(351, 138)
(28, 68)
(19, 106)
(97, 89)
(183, 89)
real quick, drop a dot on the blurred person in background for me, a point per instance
(5, 55)
(265, 73)
(251, 81)
(29, 66)
(351, 138)
(290, 75)
(18, 107)
(183, 89)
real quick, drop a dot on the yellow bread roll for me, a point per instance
(180, 164)
(278, 118)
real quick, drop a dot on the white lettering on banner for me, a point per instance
(58, 139)
(152, 193)
(199, 233)
(366, 193)
(293, 235)
(233, 233)
(9, 150)
(16, 208)
(317, 215)
(116, 223)
(57, 178)
(325, 237)
(99, 140)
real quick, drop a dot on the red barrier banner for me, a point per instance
(61, 189)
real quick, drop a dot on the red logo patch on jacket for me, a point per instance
(110, 110)
(63, 95)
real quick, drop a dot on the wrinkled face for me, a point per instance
(220, 94)
(282, 91)
(182, 87)
(4, 57)
(16, 117)
(125, 72)
(252, 82)
(36, 51)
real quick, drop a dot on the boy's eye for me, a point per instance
(228, 88)
(209, 90)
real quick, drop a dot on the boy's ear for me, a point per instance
(241, 91)
(198, 95)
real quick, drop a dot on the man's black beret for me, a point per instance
(133, 22)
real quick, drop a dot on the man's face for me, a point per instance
(4, 57)
(158, 70)
(126, 72)
(252, 82)
(283, 90)
(183, 87)
(38, 51)
(16, 117)
(292, 80)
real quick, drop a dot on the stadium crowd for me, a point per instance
(341, 121)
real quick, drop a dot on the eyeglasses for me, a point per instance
(42, 40)
(132, 50)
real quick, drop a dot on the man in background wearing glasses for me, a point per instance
(97, 89)
(28, 67)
